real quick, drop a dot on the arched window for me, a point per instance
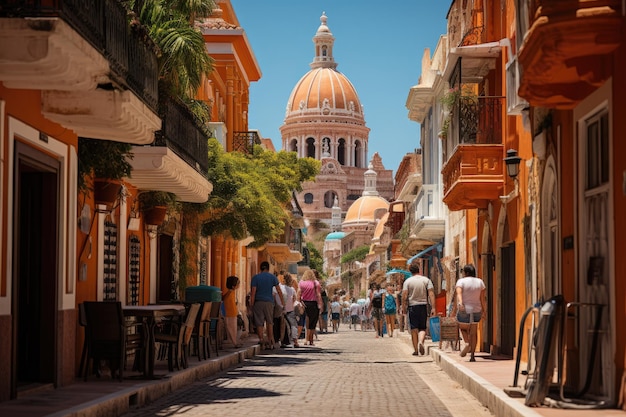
(329, 199)
(310, 147)
(357, 153)
(341, 151)
(324, 50)
(294, 145)
(308, 198)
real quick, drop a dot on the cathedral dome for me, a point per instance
(335, 236)
(325, 91)
(363, 210)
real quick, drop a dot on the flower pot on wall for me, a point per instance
(155, 215)
(106, 191)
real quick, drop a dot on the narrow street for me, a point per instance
(349, 373)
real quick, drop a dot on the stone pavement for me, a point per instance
(485, 379)
(349, 373)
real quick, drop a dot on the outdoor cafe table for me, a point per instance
(149, 314)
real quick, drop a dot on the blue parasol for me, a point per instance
(399, 271)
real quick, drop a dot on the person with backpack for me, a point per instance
(390, 309)
(377, 309)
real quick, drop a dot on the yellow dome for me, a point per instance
(364, 208)
(326, 90)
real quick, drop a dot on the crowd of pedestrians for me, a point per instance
(284, 310)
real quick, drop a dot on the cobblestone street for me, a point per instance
(346, 373)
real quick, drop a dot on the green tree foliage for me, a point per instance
(250, 192)
(356, 254)
(184, 61)
(316, 261)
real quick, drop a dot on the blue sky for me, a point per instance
(378, 46)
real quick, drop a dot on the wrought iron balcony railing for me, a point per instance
(104, 24)
(182, 133)
(245, 141)
(477, 120)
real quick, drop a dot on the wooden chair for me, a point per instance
(214, 326)
(106, 336)
(201, 331)
(177, 339)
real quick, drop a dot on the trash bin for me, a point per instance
(202, 293)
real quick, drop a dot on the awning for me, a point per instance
(425, 252)
(399, 271)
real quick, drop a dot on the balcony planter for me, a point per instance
(155, 215)
(107, 163)
(155, 205)
(106, 191)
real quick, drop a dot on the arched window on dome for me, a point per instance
(310, 147)
(308, 198)
(341, 151)
(329, 199)
(293, 146)
(357, 154)
(324, 50)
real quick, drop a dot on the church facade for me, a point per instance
(324, 120)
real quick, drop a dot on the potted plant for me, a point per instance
(106, 163)
(155, 205)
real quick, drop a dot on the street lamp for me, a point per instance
(512, 162)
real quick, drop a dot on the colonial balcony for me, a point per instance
(567, 50)
(473, 176)
(178, 159)
(244, 141)
(429, 220)
(98, 76)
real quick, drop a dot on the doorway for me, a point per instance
(166, 286)
(507, 300)
(34, 277)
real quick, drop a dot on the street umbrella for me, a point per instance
(406, 274)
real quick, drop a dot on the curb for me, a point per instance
(122, 402)
(492, 397)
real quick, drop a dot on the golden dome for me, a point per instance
(363, 210)
(326, 90)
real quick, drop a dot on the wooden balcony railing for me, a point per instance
(473, 176)
(567, 48)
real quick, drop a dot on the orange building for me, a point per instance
(524, 103)
(62, 245)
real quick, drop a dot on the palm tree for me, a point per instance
(184, 62)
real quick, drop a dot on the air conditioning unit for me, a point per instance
(514, 103)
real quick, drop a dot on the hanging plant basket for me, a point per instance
(155, 215)
(106, 191)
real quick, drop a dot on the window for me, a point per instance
(329, 199)
(597, 150)
(308, 198)
(341, 151)
(310, 147)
